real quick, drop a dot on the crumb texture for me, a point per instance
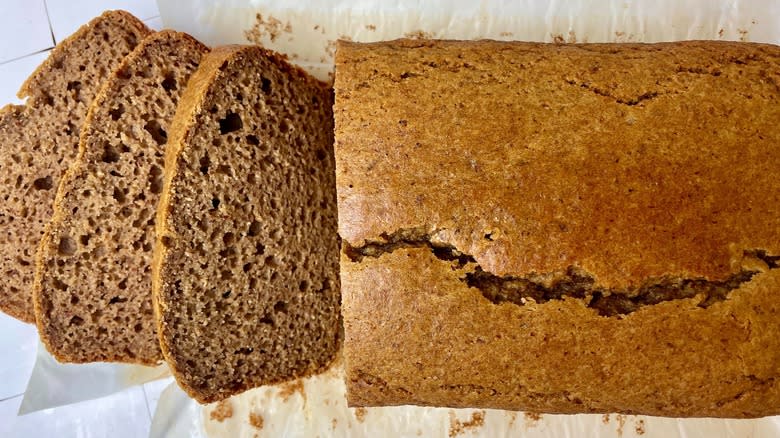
(247, 282)
(95, 288)
(39, 140)
(610, 209)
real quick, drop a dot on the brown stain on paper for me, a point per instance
(222, 411)
(458, 427)
(270, 27)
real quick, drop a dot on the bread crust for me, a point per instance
(471, 171)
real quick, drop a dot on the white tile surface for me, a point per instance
(68, 15)
(17, 355)
(13, 74)
(24, 27)
(120, 415)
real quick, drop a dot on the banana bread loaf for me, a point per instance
(38, 140)
(93, 289)
(245, 272)
(561, 228)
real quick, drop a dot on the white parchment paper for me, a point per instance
(55, 384)
(306, 32)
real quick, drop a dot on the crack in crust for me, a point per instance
(573, 283)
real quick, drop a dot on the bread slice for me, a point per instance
(38, 140)
(246, 267)
(93, 290)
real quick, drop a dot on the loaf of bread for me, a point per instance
(245, 273)
(561, 228)
(38, 140)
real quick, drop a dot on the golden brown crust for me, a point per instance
(619, 166)
(589, 127)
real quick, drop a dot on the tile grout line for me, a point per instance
(11, 397)
(8, 61)
(48, 20)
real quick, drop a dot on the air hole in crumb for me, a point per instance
(280, 307)
(165, 241)
(252, 139)
(122, 284)
(321, 155)
(254, 229)
(44, 183)
(228, 239)
(271, 262)
(265, 85)
(138, 328)
(76, 320)
(67, 246)
(116, 113)
(226, 294)
(110, 154)
(169, 83)
(116, 300)
(119, 195)
(214, 203)
(85, 239)
(260, 249)
(204, 163)
(231, 123)
(303, 286)
(59, 285)
(245, 350)
(489, 236)
(284, 126)
(267, 320)
(74, 299)
(155, 180)
(247, 267)
(156, 131)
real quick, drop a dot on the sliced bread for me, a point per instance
(38, 140)
(245, 273)
(93, 292)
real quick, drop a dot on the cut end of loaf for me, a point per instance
(246, 274)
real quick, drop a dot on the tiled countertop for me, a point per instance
(28, 30)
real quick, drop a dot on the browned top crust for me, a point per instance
(628, 161)
(561, 228)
